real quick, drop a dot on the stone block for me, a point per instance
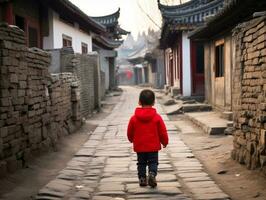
(13, 78)
(241, 141)
(3, 132)
(4, 93)
(31, 113)
(22, 84)
(261, 38)
(21, 93)
(18, 101)
(4, 102)
(248, 38)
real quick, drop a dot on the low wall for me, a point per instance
(249, 87)
(35, 107)
(86, 68)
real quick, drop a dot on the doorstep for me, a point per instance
(210, 122)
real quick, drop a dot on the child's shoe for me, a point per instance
(152, 180)
(143, 181)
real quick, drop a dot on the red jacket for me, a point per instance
(147, 130)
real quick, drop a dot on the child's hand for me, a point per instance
(164, 146)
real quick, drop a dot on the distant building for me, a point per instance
(184, 59)
(148, 60)
(106, 44)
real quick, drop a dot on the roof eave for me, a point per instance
(235, 12)
(65, 7)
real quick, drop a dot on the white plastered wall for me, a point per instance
(56, 30)
(186, 65)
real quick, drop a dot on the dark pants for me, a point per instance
(149, 159)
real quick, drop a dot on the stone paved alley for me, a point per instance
(105, 166)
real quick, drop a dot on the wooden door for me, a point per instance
(197, 68)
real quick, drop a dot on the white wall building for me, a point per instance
(60, 30)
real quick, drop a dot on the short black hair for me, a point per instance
(146, 97)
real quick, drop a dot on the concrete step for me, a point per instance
(187, 98)
(179, 108)
(196, 107)
(227, 115)
(173, 109)
(169, 102)
(230, 124)
(210, 122)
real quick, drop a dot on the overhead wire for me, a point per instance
(149, 17)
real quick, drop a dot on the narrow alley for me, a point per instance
(72, 74)
(105, 166)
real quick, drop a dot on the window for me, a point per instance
(33, 37)
(199, 58)
(84, 48)
(219, 60)
(67, 41)
(20, 22)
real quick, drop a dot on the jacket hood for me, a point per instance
(145, 114)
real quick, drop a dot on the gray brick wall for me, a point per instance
(35, 107)
(86, 67)
(102, 74)
(249, 102)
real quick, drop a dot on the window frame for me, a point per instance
(66, 41)
(84, 48)
(219, 58)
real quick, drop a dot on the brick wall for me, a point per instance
(249, 86)
(86, 67)
(35, 107)
(102, 75)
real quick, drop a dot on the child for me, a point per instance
(147, 131)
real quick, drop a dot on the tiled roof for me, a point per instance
(122, 31)
(68, 9)
(192, 12)
(109, 20)
(236, 11)
(113, 29)
(72, 12)
(108, 43)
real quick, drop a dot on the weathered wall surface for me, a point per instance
(102, 76)
(218, 89)
(35, 107)
(249, 86)
(86, 67)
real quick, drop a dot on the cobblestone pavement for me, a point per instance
(105, 166)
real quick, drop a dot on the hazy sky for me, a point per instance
(132, 18)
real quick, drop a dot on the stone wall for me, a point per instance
(35, 107)
(102, 75)
(249, 86)
(65, 104)
(86, 68)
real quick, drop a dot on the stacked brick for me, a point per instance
(83, 66)
(102, 76)
(29, 101)
(249, 100)
(65, 104)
